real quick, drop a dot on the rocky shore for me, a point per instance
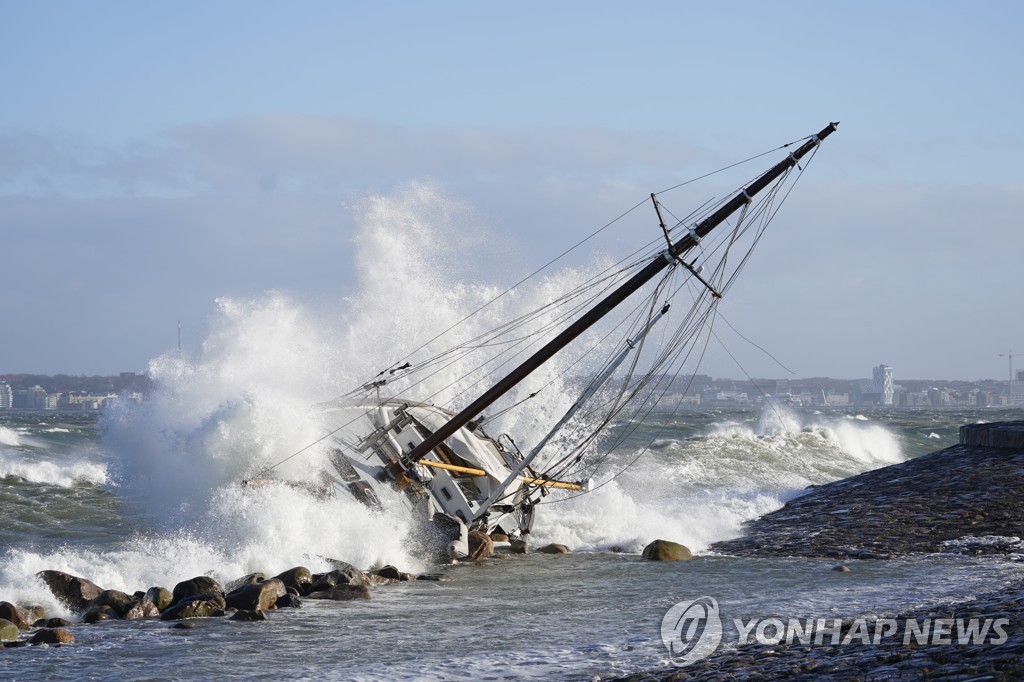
(966, 499)
(248, 598)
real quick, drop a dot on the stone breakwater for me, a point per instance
(966, 499)
(246, 599)
(963, 499)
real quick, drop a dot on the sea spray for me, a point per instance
(702, 489)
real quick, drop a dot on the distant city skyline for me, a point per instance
(205, 162)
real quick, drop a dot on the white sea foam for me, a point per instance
(702, 490)
(9, 437)
(63, 474)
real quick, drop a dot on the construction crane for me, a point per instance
(1010, 355)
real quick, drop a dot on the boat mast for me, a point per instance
(616, 297)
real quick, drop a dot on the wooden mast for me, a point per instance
(615, 298)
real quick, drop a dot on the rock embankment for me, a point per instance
(966, 498)
(247, 598)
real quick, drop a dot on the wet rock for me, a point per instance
(143, 608)
(33, 612)
(499, 537)
(389, 572)
(289, 601)
(14, 614)
(342, 593)
(9, 632)
(102, 612)
(517, 547)
(553, 548)
(202, 584)
(293, 577)
(250, 579)
(54, 623)
(115, 599)
(160, 596)
(343, 575)
(73, 592)
(185, 626)
(666, 550)
(54, 636)
(480, 546)
(841, 569)
(248, 616)
(208, 605)
(257, 597)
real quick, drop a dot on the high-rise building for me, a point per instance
(882, 378)
(6, 396)
(1017, 389)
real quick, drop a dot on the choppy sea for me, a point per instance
(70, 499)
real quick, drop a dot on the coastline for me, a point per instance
(966, 499)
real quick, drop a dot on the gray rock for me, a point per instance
(160, 596)
(115, 599)
(73, 592)
(208, 605)
(347, 575)
(258, 597)
(143, 608)
(248, 616)
(250, 579)
(298, 575)
(202, 584)
(342, 593)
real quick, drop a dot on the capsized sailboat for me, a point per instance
(463, 484)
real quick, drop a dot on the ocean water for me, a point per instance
(148, 494)
(595, 612)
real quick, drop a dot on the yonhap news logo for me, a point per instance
(693, 630)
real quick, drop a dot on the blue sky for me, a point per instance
(157, 156)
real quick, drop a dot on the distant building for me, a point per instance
(6, 396)
(882, 376)
(1017, 389)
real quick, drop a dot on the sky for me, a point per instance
(155, 157)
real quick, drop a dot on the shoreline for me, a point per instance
(967, 499)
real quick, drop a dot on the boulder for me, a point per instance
(389, 572)
(342, 593)
(517, 547)
(666, 550)
(289, 601)
(73, 592)
(33, 612)
(143, 608)
(250, 579)
(115, 599)
(349, 575)
(54, 623)
(480, 545)
(13, 614)
(554, 548)
(499, 537)
(160, 596)
(9, 632)
(54, 636)
(202, 584)
(208, 605)
(248, 616)
(258, 597)
(100, 612)
(299, 575)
